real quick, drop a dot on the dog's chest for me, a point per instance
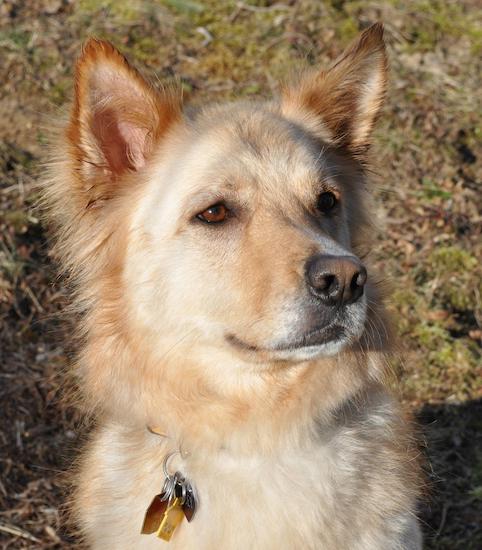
(282, 501)
(331, 494)
(266, 502)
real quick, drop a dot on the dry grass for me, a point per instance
(429, 159)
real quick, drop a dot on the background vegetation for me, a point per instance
(428, 156)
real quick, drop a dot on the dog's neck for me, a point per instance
(260, 407)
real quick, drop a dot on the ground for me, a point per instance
(428, 168)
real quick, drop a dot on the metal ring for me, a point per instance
(165, 462)
(168, 489)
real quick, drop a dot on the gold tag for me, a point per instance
(172, 518)
(154, 515)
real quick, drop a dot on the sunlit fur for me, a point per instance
(191, 328)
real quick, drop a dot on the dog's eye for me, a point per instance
(326, 202)
(216, 213)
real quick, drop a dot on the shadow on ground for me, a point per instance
(453, 435)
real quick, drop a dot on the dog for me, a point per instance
(233, 343)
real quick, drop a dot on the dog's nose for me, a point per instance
(335, 279)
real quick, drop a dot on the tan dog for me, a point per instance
(225, 307)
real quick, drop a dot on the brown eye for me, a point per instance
(326, 202)
(216, 213)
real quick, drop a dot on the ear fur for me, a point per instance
(116, 120)
(341, 104)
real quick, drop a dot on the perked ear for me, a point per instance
(341, 104)
(117, 117)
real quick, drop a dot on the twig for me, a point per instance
(445, 509)
(12, 530)
(34, 299)
(208, 37)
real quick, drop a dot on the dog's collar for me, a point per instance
(178, 499)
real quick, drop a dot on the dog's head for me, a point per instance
(233, 227)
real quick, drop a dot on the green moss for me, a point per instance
(145, 48)
(59, 91)
(11, 268)
(185, 6)
(452, 354)
(432, 21)
(430, 336)
(446, 366)
(452, 259)
(18, 219)
(431, 190)
(454, 275)
(251, 89)
(347, 29)
(125, 10)
(15, 38)
(456, 299)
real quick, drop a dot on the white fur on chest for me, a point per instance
(321, 496)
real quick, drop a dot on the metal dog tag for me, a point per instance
(166, 511)
(189, 504)
(154, 514)
(173, 516)
(183, 490)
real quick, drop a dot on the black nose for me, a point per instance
(335, 279)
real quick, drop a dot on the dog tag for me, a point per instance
(154, 514)
(189, 504)
(165, 513)
(172, 518)
(184, 491)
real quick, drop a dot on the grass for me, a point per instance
(429, 159)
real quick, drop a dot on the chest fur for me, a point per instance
(328, 495)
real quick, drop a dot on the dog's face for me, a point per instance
(246, 239)
(242, 218)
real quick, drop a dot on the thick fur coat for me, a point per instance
(187, 237)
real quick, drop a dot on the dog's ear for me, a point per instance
(116, 120)
(341, 104)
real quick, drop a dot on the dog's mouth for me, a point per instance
(318, 337)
